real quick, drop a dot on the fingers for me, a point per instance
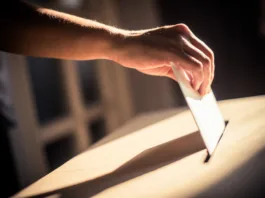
(200, 45)
(206, 62)
(192, 65)
(179, 45)
(204, 48)
(207, 51)
(205, 86)
(199, 50)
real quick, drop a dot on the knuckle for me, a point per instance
(183, 28)
(198, 66)
(181, 39)
(207, 61)
(184, 40)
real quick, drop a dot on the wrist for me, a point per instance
(103, 42)
(119, 40)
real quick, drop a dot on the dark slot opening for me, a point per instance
(208, 156)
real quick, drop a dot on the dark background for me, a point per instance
(230, 28)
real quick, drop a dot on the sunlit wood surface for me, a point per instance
(161, 154)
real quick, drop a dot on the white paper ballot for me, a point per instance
(205, 111)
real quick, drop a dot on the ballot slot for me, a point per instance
(204, 109)
(207, 156)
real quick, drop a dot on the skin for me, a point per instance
(35, 31)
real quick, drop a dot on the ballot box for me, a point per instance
(162, 154)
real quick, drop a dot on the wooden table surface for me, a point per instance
(161, 154)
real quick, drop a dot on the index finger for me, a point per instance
(185, 30)
(205, 49)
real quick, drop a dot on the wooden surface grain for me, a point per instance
(162, 154)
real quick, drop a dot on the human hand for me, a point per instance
(152, 52)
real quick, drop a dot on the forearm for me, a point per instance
(34, 31)
(40, 32)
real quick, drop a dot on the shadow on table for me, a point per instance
(146, 161)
